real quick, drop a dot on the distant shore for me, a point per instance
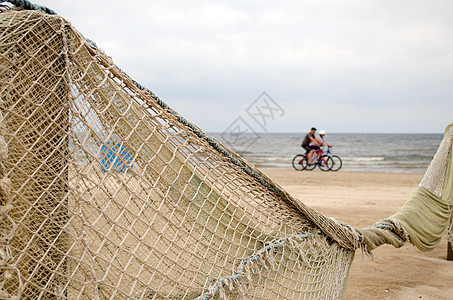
(360, 199)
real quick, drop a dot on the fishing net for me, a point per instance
(108, 193)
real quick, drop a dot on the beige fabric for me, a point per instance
(425, 217)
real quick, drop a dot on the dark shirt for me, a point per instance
(307, 139)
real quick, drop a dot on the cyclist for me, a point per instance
(310, 138)
(320, 139)
(321, 142)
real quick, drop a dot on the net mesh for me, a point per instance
(106, 192)
(110, 195)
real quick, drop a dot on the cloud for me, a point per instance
(354, 55)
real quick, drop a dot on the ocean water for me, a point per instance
(363, 152)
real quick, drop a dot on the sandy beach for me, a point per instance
(361, 199)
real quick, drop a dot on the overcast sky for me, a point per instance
(342, 66)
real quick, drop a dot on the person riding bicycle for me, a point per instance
(306, 143)
(325, 160)
(320, 139)
(321, 142)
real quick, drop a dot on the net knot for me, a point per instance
(5, 209)
(392, 225)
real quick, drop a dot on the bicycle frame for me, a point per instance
(319, 154)
(318, 159)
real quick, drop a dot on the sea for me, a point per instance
(360, 152)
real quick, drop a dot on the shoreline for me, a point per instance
(340, 171)
(361, 199)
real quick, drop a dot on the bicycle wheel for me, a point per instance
(337, 163)
(307, 166)
(325, 163)
(297, 162)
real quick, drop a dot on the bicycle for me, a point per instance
(337, 162)
(300, 161)
(325, 160)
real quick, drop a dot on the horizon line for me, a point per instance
(344, 132)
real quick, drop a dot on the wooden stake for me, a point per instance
(449, 251)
